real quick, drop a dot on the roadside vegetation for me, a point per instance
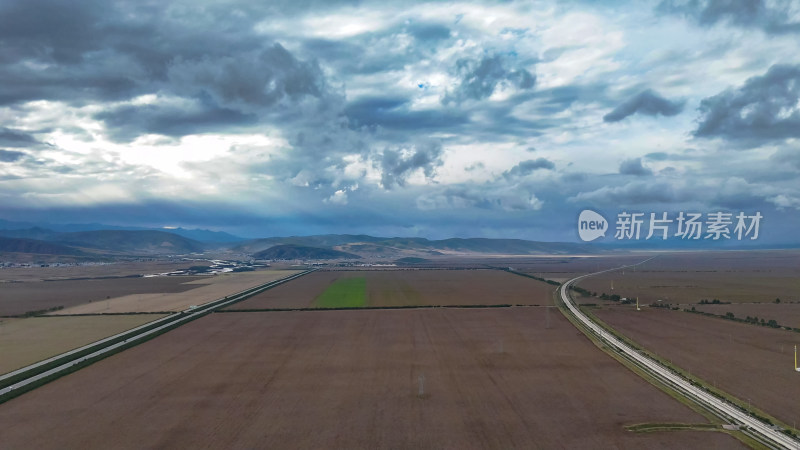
(754, 320)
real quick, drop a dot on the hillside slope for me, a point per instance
(147, 242)
(17, 245)
(291, 251)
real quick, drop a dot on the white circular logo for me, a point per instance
(591, 225)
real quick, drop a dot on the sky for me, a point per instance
(494, 119)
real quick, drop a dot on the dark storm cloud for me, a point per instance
(16, 138)
(634, 193)
(340, 112)
(555, 100)
(52, 29)
(398, 163)
(528, 167)
(113, 78)
(334, 51)
(771, 18)
(764, 108)
(646, 102)
(126, 123)
(480, 78)
(634, 166)
(86, 52)
(71, 51)
(377, 51)
(10, 155)
(393, 113)
(787, 156)
(482, 197)
(226, 91)
(247, 81)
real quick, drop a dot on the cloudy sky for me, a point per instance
(434, 119)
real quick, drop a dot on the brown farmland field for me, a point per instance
(26, 341)
(194, 291)
(493, 378)
(19, 298)
(563, 268)
(118, 269)
(412, 288)
(738, 277)
(747, 361)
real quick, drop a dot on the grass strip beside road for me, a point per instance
(651, 427)
(344, 293)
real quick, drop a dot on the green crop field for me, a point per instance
(344, 293)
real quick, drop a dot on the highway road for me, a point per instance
(721, 407)
(67, 360)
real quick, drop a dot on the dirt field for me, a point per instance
(756, 276)
(785, 314)
(493, 378)
(195, 292)
(412, 288)
(121, 269)
(19, 298)
(565, 267)
(747, 361)
(26, 341)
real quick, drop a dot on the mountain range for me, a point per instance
(114, 242)
(48, 231)
(295, 252)
(371, 246)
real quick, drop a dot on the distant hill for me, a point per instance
(37, 233)
(136, 242)
(371, 250)
(398, 247)
(17, 245)
(323, 241)
(206, 235)
(509, 246)
(292, 251)
(410, 260)
(47, 231)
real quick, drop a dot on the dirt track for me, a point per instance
(493, 378)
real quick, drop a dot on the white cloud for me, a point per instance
(338, 198)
